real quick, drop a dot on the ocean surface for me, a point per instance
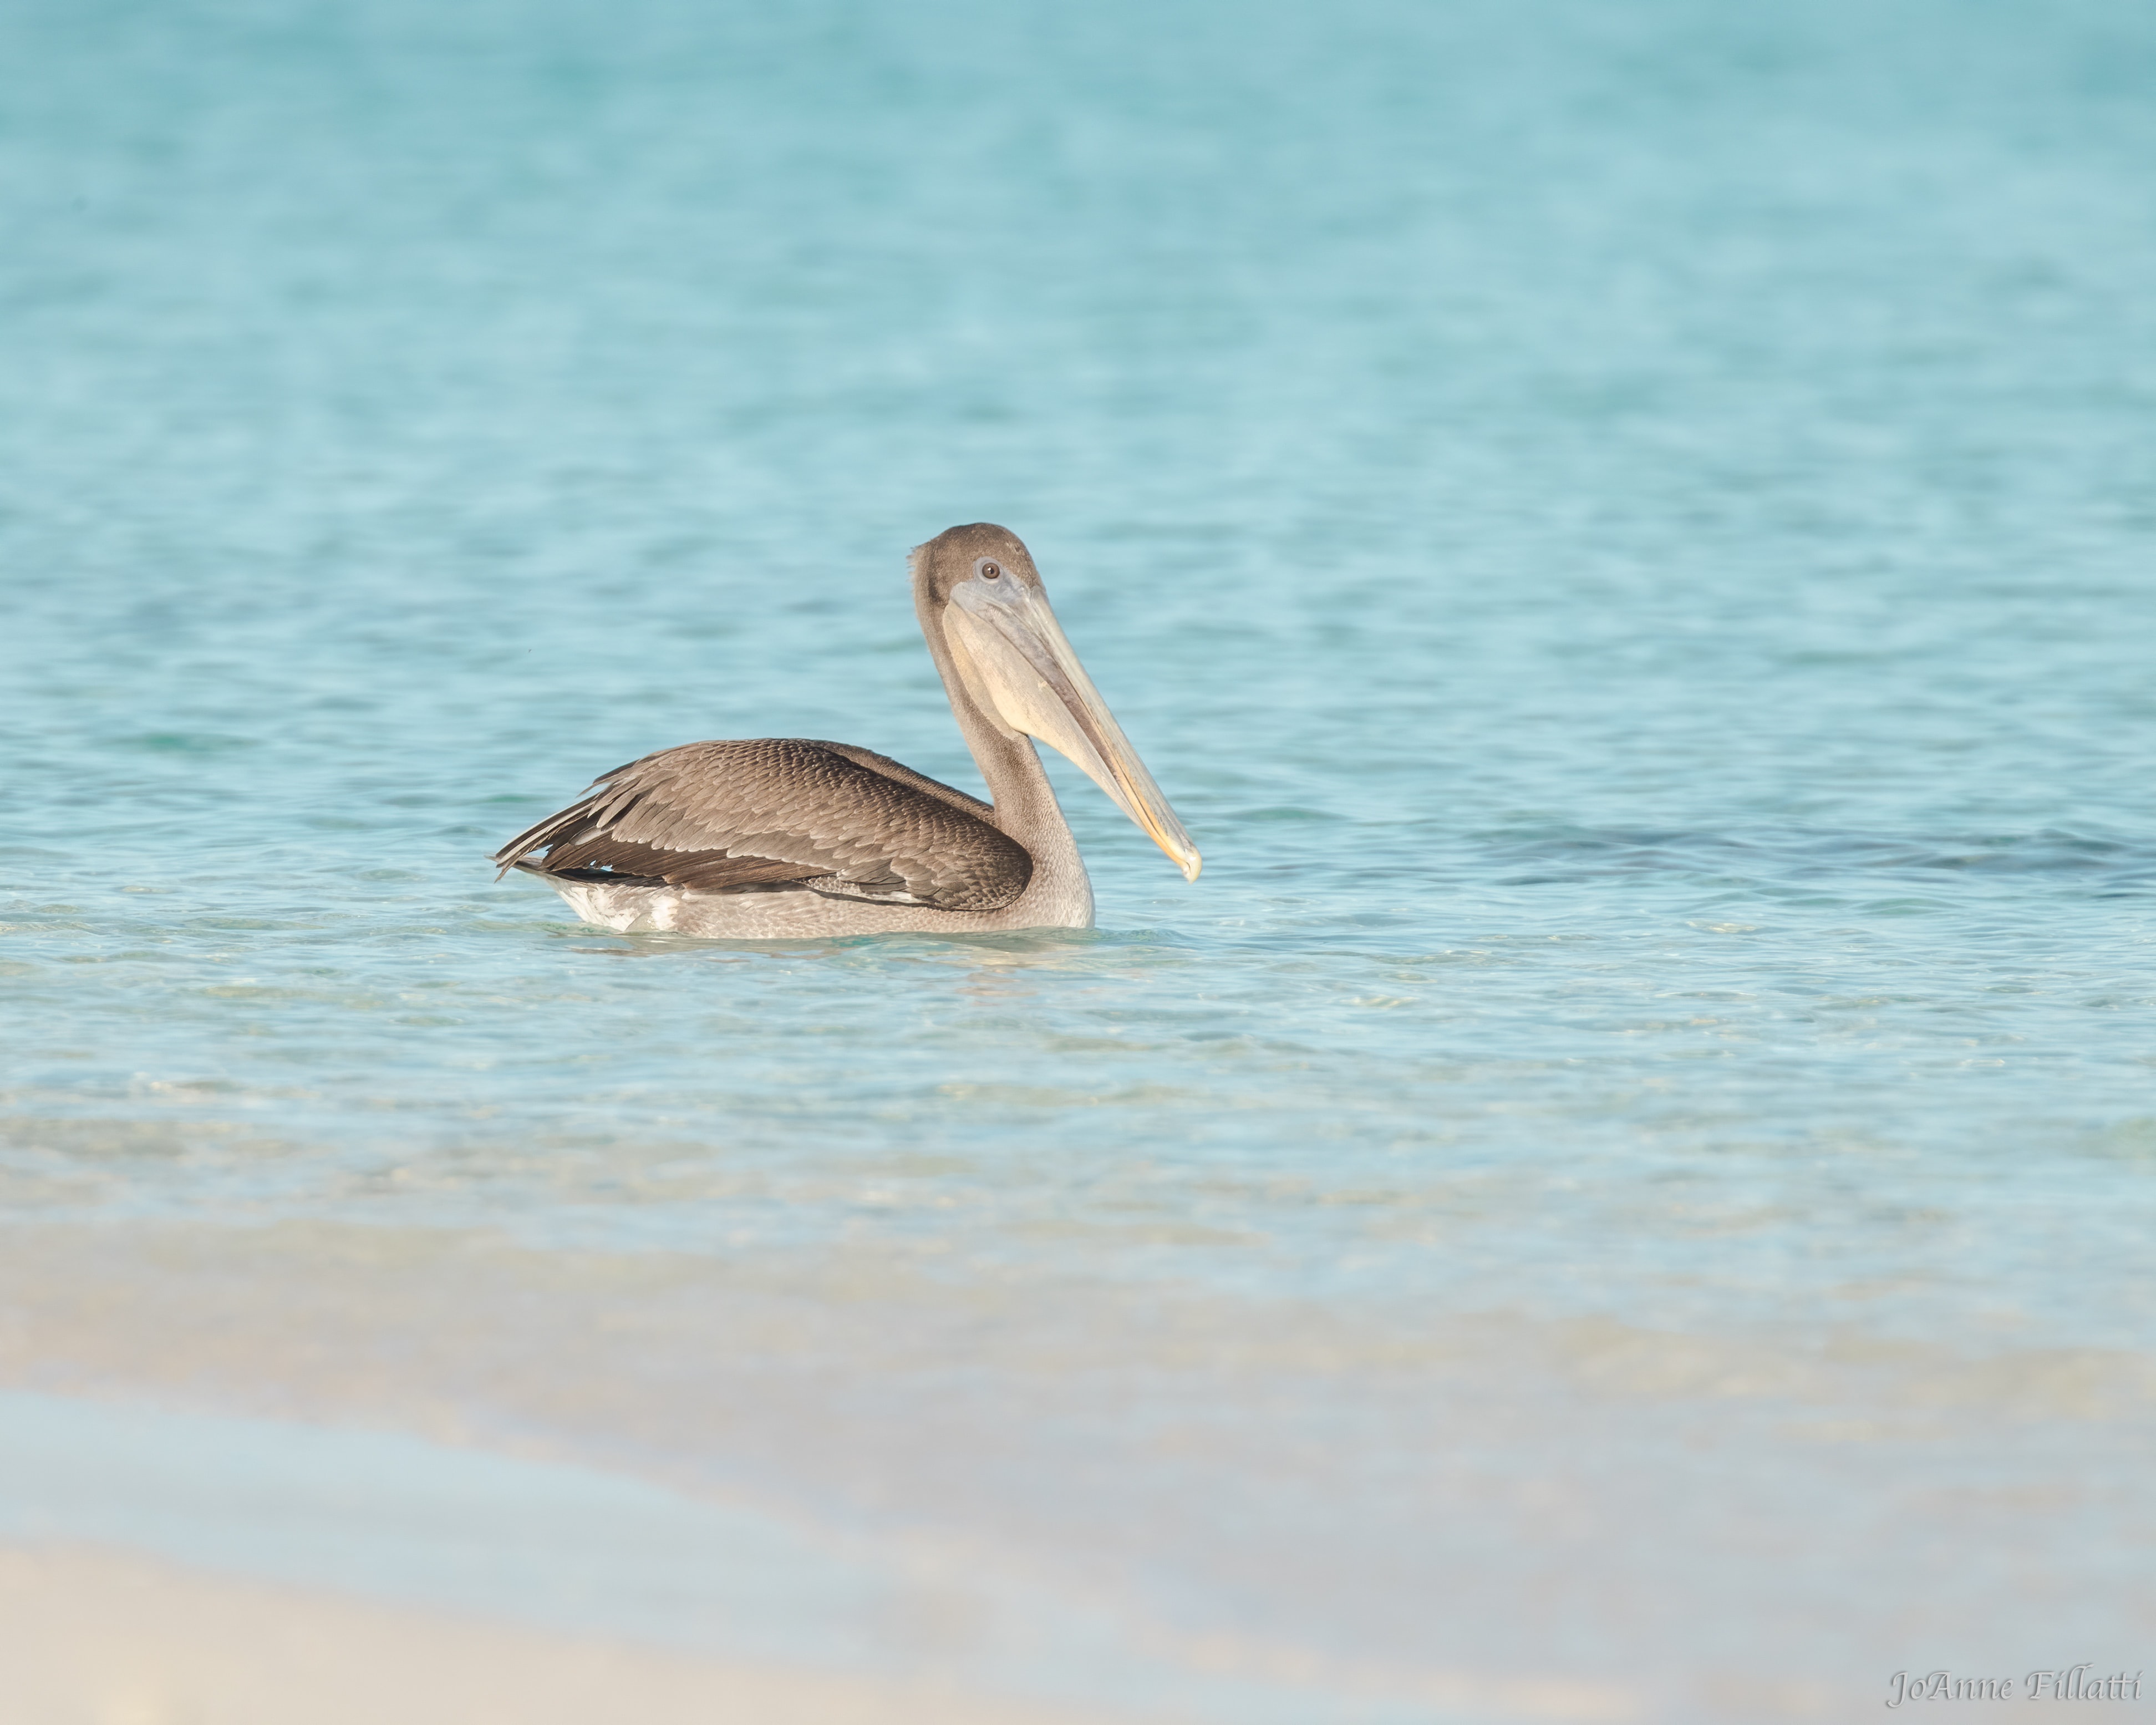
(1627, 533)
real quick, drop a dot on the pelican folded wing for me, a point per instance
(775, 814)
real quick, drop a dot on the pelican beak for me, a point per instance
(1011, 648)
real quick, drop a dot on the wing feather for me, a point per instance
(783, 812)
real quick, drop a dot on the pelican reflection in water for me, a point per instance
(781, 837)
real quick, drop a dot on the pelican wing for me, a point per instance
(781, 814)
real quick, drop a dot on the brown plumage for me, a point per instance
(783, 838)
(782, 814)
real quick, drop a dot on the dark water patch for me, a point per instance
(1813, 857)
(185, 742)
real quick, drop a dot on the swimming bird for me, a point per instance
(784, 838)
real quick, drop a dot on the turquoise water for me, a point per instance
(1624, 533)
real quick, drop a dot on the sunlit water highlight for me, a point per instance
(1624, 532)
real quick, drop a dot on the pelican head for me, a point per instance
(980, 597)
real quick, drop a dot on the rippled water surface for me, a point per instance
(1624, 1189)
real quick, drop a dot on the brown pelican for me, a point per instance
(784, 838)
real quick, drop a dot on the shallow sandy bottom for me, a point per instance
(96, 1637)
(765, 1463)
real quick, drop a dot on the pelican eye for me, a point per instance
(991, 572)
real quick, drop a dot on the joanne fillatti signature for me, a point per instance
(2075, 1682)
